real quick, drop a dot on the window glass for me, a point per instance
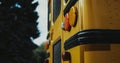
(57, 52)
(56, 9)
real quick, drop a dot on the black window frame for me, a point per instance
(65, 1)
(49, 12)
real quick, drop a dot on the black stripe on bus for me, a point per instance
(93, 37)
(70, 4)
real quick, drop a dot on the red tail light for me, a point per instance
(66, 56)
(47, 44)
(67, 26)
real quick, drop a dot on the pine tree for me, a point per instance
(17, 25)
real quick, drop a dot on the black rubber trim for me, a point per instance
(48, 35)
(70, 4)
(93, 37)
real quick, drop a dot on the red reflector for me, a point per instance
(47, 44)
(66, 56)
(66, 23)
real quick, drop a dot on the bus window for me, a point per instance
(56, 9)
(57, 52)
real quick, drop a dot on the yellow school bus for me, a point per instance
(83, 31)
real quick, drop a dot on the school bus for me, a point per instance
(83, 31)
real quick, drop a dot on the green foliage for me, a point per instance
(18, 23)
(40, 53)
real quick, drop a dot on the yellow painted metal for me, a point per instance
(92, 14)
(101, 14)
(105, 56)
(97, 57)
(115, 53)
(75, 52)
(77, 28)
(51, 52)
(97, 53)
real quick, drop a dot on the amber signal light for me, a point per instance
(73, 16)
